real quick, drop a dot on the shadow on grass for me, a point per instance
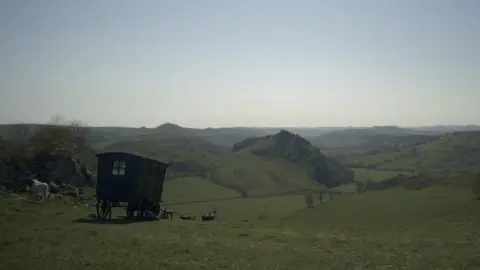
(118, 221)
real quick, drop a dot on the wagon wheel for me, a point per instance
(101, 209)
(98, 208)
(156, 209)
(109, 209)
(104, 209)
(130, 211)
(141, 211)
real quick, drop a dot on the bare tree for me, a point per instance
(59, 135)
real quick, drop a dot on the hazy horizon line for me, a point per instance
(267, 127)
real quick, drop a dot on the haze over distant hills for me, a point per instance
(171, 128)
(227, 136)
(267, 160)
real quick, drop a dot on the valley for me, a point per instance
(380, 199)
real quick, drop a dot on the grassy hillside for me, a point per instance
(225, 136)
(374, 175)
(450, 154)
(369, 140)
(271, 227)
(430, 229)
(242, 171)
(297, 150)
(193, 189)
(191, 156)
(219, 136)
(245, 173)
(205, 153)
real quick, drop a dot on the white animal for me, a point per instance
(40, 188)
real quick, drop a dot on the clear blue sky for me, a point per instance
(241, 63)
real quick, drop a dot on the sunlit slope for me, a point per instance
(244, 173)
(451, 153)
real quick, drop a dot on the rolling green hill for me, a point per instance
(297, 150)
(369, 140)
(259, 165)
(104, 135)
(259, 214)
(226, 136)
(243, 172)
(435, 228)
(450, 154)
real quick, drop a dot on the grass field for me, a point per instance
(450, 154)
(196, 196)
(237, 171)
(194, 189)
(435, 228)
(432, 228)
(374, 175)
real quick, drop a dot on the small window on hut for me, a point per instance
(119, 168)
